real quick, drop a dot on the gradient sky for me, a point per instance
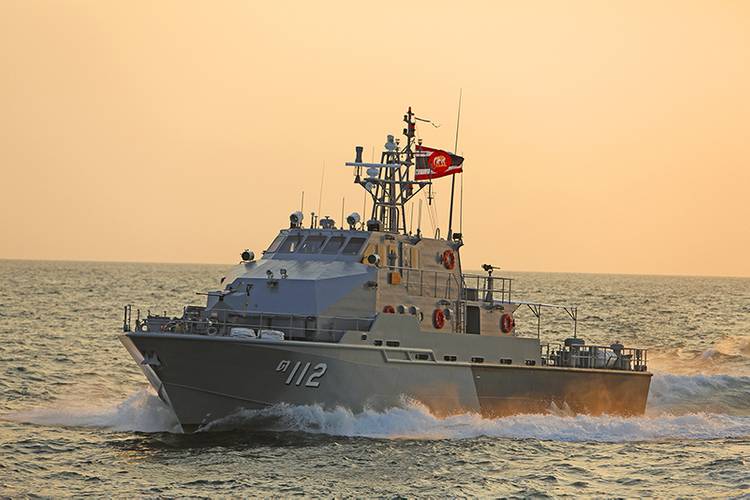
(598, 136)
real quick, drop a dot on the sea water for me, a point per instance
(77, 417)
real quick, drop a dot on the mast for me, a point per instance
(390, 183)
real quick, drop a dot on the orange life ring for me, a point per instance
(449, 259)
(389, 310)
(507, 323)
(438, 318)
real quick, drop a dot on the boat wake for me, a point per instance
(680, 407)
(416, 422)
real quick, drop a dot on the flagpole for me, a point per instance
(453, 177)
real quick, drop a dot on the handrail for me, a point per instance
(536, 309)
(487, 286)
(613, 357)
(451, 282)
(260, 320)
(223, 328)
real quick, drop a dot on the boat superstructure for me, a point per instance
(370, 314)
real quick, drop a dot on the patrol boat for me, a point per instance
(371, 314)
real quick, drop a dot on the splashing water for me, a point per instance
(680, 407)
(416, 422)
(143, 411)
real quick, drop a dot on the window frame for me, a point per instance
(276, 243)
(338, 248)
(319, 249)
(300, 239)
(358, 249)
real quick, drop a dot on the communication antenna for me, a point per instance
(453, 177)
(461, 206)
(302, 203)
(342, 211)
(419, 219)
(320, 197)
(364, 206)
(431, 213)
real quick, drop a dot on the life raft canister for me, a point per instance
(449, 259)
(507, 323)
(438, 318)
(389, 309)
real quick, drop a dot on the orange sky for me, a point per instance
(598, 136)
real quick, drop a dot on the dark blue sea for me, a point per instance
(78, 419)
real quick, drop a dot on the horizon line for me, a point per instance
(94, 261)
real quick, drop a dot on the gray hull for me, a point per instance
(206, 378)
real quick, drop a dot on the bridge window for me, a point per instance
(291, 244)
(354, 246)
(334, 245)
(312, 244)
(275, 244)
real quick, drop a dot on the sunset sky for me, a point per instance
(601, 136)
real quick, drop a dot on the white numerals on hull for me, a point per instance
(299, 371)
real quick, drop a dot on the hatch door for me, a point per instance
(472, 319)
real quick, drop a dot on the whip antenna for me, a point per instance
(453, 177)
(320, 196)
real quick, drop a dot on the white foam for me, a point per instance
(680, 407)
(416, 422)
(143, 411)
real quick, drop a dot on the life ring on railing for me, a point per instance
(507, 323)
(449, 259)
(438, 318)
(389, 309)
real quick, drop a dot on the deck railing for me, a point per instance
(291, 324)
(425, 283)
(487, 288)
(595, 356)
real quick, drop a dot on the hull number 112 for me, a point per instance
(299, 371)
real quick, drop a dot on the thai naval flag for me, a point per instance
(434, 163)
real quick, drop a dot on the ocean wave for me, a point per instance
(728, 355)
(681, 394)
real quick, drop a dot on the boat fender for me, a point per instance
(449, 259)
(438, 318)
(507, 323)
(389, 309)
(212, 330)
